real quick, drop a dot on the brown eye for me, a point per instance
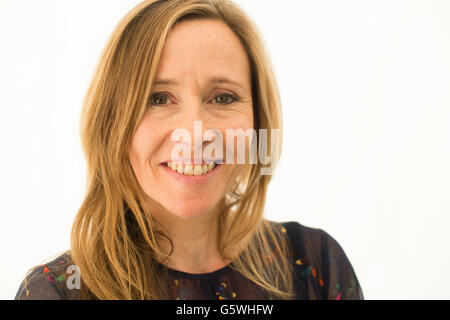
(225, 98)
(158, 99)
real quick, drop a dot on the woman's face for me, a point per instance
(204, 75)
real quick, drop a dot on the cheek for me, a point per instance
(239, 122)
(143, 144)
(239, 118)
(138, 149)
(135, 155)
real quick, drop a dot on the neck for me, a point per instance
(194, 239)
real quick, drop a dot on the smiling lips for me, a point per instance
(191, 169)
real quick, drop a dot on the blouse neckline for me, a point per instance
(197, 276)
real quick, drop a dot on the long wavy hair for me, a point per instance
(115, 242)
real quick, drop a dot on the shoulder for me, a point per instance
(296, 230)
(314, 244)
(305, 237)
(47, 281)
(307, 243)
(319, 256)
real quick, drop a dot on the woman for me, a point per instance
(153, 226)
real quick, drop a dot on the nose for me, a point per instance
(194, 118)
(191, 112)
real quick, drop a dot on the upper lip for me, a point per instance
(192, 161)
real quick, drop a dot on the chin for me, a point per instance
(191, 210)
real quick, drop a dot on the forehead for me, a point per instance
(203, 45)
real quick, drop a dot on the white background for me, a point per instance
(366, 153)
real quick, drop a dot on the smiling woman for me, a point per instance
(155, 226)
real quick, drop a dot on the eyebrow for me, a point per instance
(214, 80)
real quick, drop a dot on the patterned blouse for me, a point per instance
(321, 271)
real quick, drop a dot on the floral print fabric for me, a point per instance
(321, 271)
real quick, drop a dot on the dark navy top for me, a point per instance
(321, 271)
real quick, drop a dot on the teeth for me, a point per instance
(198, 170)
(191, 170)
(188, 170)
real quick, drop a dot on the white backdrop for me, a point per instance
(366, 151)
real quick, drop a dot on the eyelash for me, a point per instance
(228, 95)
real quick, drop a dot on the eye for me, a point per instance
(158, 99)
(226, 98)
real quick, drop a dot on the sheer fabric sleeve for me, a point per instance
(339, 277)
(37, 286)
(323, 270)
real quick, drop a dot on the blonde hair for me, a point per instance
(114, 241)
